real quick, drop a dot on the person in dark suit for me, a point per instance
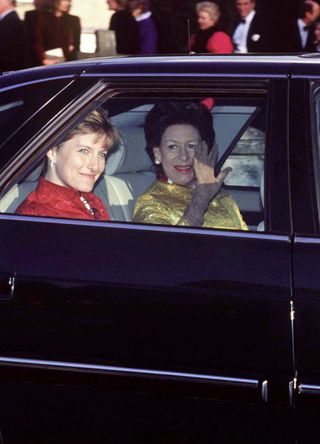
(251, 32)
(316, 33)
(297, 35)
(14, 51)
(125, 27)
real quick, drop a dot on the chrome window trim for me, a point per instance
(127, 371)
(308, 389)
(36, 81)
(254, 235)
(306, 240)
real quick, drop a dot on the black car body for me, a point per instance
(123, 332)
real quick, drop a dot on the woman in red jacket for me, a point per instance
(57, 30)
(209, 37)
(73, 167)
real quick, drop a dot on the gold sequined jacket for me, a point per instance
(165, 203)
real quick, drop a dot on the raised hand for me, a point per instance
(204, 163)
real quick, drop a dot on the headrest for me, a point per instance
(35, 174)
(131, 155)
(115, 160)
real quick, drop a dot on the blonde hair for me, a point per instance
(211, 8)
(96, 122)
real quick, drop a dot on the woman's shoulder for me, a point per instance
(220, 35)
(159, 193)
(34, 206)
(151, 191)
(220, 42)
(72, 18)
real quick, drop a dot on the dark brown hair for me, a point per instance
(165, 114)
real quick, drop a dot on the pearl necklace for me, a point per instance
(93, 211)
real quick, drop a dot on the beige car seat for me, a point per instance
(17, 194)
(127, 175)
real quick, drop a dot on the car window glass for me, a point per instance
(247, 159)
(239, 125)
(19, 103)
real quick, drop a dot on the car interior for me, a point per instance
(240, 137)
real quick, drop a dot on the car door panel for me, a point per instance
(128, 293)
(186, 328)
(166, 330)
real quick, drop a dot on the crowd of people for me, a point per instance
(50, 34)
(251, 29)
(47, 35)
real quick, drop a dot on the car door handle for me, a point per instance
(7, 284)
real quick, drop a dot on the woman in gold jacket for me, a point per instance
(180, 142)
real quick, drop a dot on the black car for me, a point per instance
(122, 332)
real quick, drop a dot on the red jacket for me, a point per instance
(49, 199)
(218, 43)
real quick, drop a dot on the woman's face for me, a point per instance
(317, 32)
(113, 5)
(78, 162)
(204, 20)
(176, 152)
(63, 5)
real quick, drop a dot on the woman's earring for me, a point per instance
(52, 162)
(157, 160)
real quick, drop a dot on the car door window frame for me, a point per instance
(104, 89)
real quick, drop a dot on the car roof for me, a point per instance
(235, 65)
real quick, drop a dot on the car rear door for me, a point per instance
(151, 332)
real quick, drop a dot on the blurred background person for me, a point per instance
(58, 30)
(316, 34)
(31, 19)
(140, 9)
(297, 35)
(251, 31)
(14, 51)
(125, 27)
(210, 37)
